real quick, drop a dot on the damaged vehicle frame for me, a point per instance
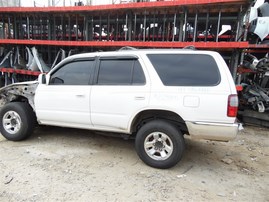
(156, 95)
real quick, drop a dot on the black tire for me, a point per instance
(161, 137)
(17, 121)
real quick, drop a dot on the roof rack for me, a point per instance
(127, 48)
(191, 47)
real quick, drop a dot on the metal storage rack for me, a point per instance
(160, 24)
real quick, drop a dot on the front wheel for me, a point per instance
(159, 144)
(17, 121)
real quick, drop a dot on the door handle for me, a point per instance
(80, 95)
(140, 98)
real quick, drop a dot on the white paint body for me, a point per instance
(113, 108)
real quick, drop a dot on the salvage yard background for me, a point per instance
(59, 164)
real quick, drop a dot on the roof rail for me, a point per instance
(191, 47)
(127, 48)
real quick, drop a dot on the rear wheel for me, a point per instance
(17, 121)
(160, 144)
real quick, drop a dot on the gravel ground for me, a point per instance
(59, 164)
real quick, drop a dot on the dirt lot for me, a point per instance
(58, 164)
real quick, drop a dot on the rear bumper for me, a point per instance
(212, 131)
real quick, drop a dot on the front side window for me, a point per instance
(73, 73)
(120, 72)
(186, 69)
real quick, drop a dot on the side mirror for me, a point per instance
(42, 78)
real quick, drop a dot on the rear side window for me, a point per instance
(186, 69)
(120, 72)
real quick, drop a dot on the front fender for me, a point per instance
(17, 90)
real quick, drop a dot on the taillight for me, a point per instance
(232, 106)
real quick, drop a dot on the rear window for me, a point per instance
(186, 69)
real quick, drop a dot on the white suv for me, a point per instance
(155, 95)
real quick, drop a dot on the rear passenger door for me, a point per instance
(120, 91)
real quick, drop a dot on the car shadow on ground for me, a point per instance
(199, 153)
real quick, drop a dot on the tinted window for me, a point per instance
(120, 72)
(186, 69)
(138, 74)
(74, 73)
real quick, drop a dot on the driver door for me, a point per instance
(65, 99)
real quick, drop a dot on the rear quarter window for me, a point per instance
(186, 69)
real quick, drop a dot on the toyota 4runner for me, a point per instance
(155, 95)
